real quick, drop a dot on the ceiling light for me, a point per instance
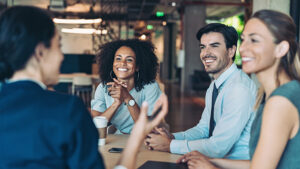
(159, 14)
(104, 32)
(77, 21)
(173, 4)
(84, 31)
(143, 37)
(149, 27)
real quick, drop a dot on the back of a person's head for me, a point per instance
(283, 28)
(22, 28)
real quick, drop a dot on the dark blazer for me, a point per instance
(41, 129)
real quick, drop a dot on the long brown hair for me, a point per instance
(282, 28)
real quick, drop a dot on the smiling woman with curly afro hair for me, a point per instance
(127, 69)
(146, 61)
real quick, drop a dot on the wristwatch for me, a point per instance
(131, 102)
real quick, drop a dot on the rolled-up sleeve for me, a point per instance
(181, 143)
(236, 108)
(98, 103)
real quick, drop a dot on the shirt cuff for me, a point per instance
(178, 147)
(120, 167)
(179, 136)
(98, 106)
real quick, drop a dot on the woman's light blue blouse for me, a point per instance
(122, 119)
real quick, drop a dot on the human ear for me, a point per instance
(231, 51)
(39, 51)
(282, 49)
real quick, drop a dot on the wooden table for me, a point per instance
(144, 155)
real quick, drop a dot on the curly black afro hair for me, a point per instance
(146, 61)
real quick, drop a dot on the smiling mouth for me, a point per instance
(209, 60)
(122, 69)
(246, 59)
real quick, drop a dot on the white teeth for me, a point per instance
(122, 69)
(209, 61)
(245, 59)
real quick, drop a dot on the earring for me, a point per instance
(138, 76)
(111, 76)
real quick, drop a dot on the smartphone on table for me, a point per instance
(115, 150)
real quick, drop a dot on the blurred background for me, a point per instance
(171, 25)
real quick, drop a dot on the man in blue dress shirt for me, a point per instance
(225, 132)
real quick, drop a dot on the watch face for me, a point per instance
(131, 102)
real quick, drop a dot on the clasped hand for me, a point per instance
(118, 90)
(159, 139)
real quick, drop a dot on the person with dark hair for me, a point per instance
(229, 33)
(127, 69)
(270, 50)
(224, 128)
(39, 128)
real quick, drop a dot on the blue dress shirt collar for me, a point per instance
(225, 75)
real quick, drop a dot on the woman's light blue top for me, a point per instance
(122, 119)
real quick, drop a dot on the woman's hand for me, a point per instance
(115, 92)
(120, 83)
(141, 128)
(118, 92)
(196, 160)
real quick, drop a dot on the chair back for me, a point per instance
(83, 87)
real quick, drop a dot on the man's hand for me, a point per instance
(159, 140)
(196, 160)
